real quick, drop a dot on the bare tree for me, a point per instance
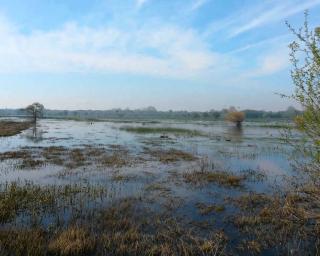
(35, 110)
(235, 116)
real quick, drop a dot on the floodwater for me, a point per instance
(252, 147)
(253, 150)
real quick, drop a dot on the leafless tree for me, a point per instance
(35, 110)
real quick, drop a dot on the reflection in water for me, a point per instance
(235, 133)
(35, 134)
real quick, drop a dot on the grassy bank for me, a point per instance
(11, 128)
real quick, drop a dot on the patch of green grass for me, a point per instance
(276, 125)
(163, 130)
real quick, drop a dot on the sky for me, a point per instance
(170, 54)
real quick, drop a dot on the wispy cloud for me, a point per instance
(257, 16)
(278, 40)
(196, 4)
(271, 63)
(140, 3)
(167, 51)
(278, 12)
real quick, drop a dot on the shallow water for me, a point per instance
(252, 149)
(227, 147)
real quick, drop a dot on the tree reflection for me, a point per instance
(235, 133)
(35, 134)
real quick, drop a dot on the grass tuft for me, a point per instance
(72, 241)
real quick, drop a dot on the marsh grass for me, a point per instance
(171, 155)
(223, 178)
(10, 128)
(251, 246)
(23, 241)
(158, 187)
(73, 241)
(163, 130)
(71, 158)
(250, 201)
(122, 229)
(254, 175)
(281, 222)
(206, 209)
(123, 177)
(153, 234)
(28, 199)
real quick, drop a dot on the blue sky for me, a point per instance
(171, 54)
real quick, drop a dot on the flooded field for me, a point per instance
(143, 188)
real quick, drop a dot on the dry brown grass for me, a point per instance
(72, 241)
(115, 160)
(250, 201)
(71, 158)
(125, 234)
(10, 128)
(251, 246)
(279, 221)
(23, 242)
(222, 178)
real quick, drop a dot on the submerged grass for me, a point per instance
(205, 209)
(171, 155)
(35, 201)
(10, 128)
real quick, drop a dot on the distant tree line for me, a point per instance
(152, 113)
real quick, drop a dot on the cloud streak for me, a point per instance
(278, 12)
(257, 16)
